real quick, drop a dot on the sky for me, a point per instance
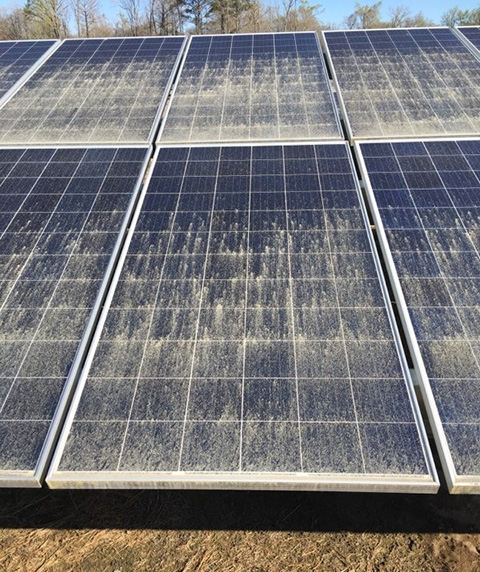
(334, 11)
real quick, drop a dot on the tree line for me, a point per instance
(84, 18)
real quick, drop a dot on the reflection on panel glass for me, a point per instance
(252, 87)
(248, 333)
(420, 81)
(60, 214)
(428, 195)
(16, 58)
(93, 91)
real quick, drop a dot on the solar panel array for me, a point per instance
(61, 212)
(246, 339)
(16, 58)
(428, 198)
(93, 91)
(248, 336)
(411, 82)
(252, 87)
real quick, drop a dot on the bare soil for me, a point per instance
(180, 531)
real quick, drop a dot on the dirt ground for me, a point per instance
(180, 531)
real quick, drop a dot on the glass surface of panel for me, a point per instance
(93, 91)
(247, 342)
(428, 199)
(16, 58)
(252, 88)
(472, 33)
(61, 211)
(406, 82)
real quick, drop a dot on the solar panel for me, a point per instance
(248, 342)
(17, 58)
(472, 33)
(427, 197)
(94, 91)
(409, 82)
(252, 87)
(61, 213)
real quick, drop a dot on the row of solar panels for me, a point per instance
(417, 82)
(246, 337)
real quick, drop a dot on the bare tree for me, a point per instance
(365, 16)
(401, 17)
(48, 18)
(86, 13)
(458, 17)
(14, 25)
(151, 14)
(299, 15)
(289, 6)
(398, 16)
(132, 14)
(164, 17)
(255, 18)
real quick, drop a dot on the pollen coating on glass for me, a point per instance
(252, 87)
(428, 195)
(16, 58)
(247, 332)
(60, 214)
(93, 91)
(413, 82)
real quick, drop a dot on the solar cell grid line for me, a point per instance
(94, 91)
(247, 340)
(64, 212)
(425, 203)
(18, 59)
(251, 87)
(413, 82)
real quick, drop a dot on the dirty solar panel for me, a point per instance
(428, 195)
(472, 33)
(16, 58)
(60, 215)
(406, 82)
(252, 87)
(93, 91)
(248, 336)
